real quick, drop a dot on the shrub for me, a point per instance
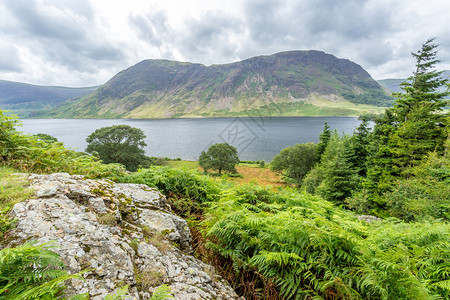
(28, 154)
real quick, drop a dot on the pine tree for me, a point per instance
(324, 138)
(358, 148)
(416, 125)
(341, 176)
(421, 91)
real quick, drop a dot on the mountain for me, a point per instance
(394, 84)
(287, 83)
(25, 99)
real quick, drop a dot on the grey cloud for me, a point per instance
(308, 21)
(63, 34)
(38, 22)
(211, 35)
(351, 18)
(152, 28)
(204, 39)
(10, 60)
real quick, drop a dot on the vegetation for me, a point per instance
(220, 157)
(304, 245)
(28, 154)
(30, 272)
(290, 243)
(119, 144)
(27, 99)
(295, 162)
(12, 190)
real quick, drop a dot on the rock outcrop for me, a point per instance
(124, 233)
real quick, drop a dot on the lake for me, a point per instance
(255, 138)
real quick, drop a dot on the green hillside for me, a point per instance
(289, 83)
(393, 84)
(25, 99)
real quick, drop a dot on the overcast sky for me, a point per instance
(86, 42)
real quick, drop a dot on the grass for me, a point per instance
(183, 164)
(255, 174)
(12, 190)
(313, 105)
(252, 173)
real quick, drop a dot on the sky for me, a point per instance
(79, 43)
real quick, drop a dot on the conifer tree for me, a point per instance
(347, 169)
(416, 125)
(324, 138)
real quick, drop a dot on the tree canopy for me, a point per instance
(220, 157)
(416, 125)
(296, 161)
(119, 144)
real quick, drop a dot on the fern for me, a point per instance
(162, 293)
(32, 271)
(121, 293)
(306, 246)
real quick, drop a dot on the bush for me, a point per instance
(305, 246)
(28, 154)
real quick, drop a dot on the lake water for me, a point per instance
(255, 138)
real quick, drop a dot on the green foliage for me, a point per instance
(188, 190)
(221, 157)
(8, 133)
(45, 137)
(30, 271)
(12, 190)
(416, 125)
(307, 246)
(27, 154)
(399, 182)
(425, 194)
(324, 138)
(315, 177)
(296, 161)
(162, 293)
(120, 294)
(119, 144)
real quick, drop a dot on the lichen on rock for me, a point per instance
(107, 228)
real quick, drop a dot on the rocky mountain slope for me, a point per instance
(124, 234)
(287, 83)
(24, 99)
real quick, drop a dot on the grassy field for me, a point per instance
(252, 173)
(256, 174)
(183, 164)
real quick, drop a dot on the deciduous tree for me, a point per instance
(220, 157)
(119, 144)
(295, 162)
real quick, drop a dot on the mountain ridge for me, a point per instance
(297, 82)
(24, 98)
(393, 84)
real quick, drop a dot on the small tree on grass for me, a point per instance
(220, 157)
(295, 162)
(119, 144)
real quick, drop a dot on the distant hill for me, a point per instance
(25, 99)
(394, 84)
(287, 83)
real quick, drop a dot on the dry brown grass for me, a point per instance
(262, 176)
